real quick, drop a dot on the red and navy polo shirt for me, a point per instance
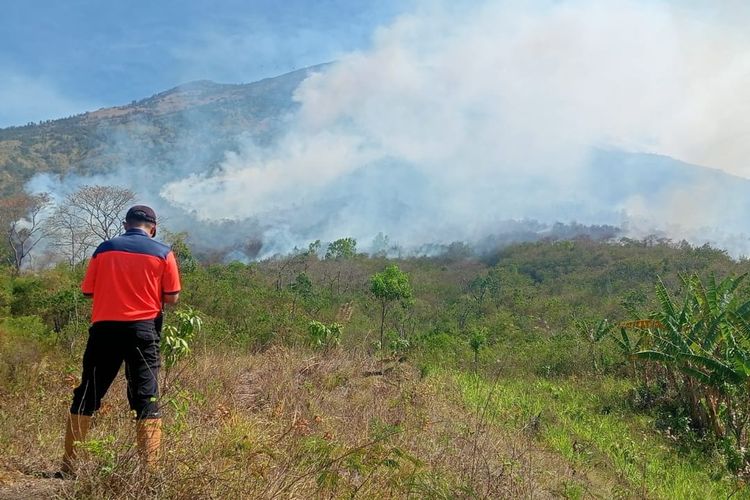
(128, 275)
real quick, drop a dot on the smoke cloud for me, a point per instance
(492, 112)
(464, 115)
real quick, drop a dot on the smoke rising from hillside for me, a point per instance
(491, 113)
(463, 115)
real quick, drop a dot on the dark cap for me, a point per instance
(141, 213)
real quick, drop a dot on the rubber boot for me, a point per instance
(75, 431)
(148, 435)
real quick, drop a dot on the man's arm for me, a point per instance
(171, 281)
(89, 280)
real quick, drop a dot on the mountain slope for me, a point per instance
(152, 143)
(207, 116)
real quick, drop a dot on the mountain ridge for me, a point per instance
(92, 142)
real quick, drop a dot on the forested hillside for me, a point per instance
(495, 377)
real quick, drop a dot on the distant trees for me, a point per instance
(344, 248)
(380, 245)
(21, 217)
(72, 228)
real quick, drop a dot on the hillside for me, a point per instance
(489, 383)
(207, 116)
(192, 128)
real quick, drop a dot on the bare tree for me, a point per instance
(69, 237)
(21, 217)
(100, 209)
(87, 217)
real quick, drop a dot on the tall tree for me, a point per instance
(22, 219)
(344, 248)
(68, 235)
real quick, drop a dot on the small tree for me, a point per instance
(594, 334)
(389, 286)
(313, 249)
(302, 288)
(380, 245)
(185, 259)
(177, 337)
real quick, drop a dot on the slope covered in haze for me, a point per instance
(181, 138)
(207, 116)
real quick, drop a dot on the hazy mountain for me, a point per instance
(206, 116)
(193, 127)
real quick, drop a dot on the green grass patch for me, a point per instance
(589, 423)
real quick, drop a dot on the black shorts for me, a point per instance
(110, 343)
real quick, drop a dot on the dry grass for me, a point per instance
(287, 423)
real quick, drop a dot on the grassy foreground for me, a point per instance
(287, 423)
(588, 422)
(490, 387)
(293, 423)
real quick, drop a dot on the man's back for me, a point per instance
(128, 277)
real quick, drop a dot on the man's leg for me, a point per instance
(75, 432)
(142, 363)
(101, 362)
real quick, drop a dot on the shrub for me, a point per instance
(324, 336)
(178, 335)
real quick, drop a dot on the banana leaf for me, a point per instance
(697, 375)
(665, 300)
(655, 356)
(725, 372)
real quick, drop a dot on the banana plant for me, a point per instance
(703, 344)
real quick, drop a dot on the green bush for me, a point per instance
(26, 327)
(178, 334)
(324, 336)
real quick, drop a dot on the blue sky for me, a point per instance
(63, 57)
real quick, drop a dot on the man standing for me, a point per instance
(129, 277)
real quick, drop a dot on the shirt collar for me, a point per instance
(136, 230)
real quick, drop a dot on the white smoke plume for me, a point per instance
(495, 108)
(465, 114)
